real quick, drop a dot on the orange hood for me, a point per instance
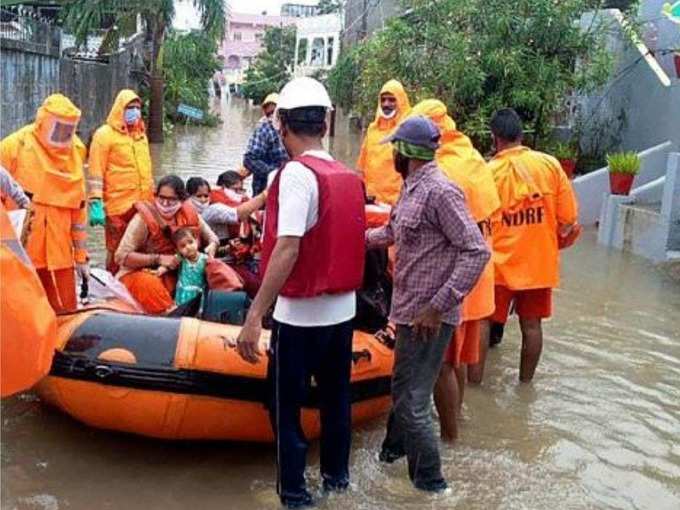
(513, 181)
(395, 88)
(116, 118)
(461, 162)
(56, 107)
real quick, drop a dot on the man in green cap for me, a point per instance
(440, 254)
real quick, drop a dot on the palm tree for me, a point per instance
(83, 16)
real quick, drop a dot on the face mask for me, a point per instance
(233, 195)
(198, 205)
(388, 115)
(132, 115)
(401, 165)
(168, 211)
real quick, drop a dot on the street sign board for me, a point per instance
(190, 111)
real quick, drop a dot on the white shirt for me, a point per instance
(298, 212)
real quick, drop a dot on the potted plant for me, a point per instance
(566, 155)
(623, 167)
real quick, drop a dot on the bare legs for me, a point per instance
(532, 345)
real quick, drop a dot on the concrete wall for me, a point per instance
(639, 224)
(27, 76)
(593, 189)
(640, 106)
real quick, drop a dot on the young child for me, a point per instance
(191, 278)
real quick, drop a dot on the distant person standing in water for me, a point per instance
(265, 152)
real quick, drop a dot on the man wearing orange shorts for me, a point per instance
(538, 206)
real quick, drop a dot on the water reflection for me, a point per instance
(599, 427)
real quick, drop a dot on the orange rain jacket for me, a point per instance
(28, 325)
(375, 160)
(463, 165)
(536, 201)
(120, 161)
(54, 179)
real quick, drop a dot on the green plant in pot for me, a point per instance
(623, 167)
(566, 154)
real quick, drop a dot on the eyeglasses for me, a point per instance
(167, 200)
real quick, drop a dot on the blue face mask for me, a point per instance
(132, 115)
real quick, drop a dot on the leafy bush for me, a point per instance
(189, 63)
(623, 163)
(478, 56)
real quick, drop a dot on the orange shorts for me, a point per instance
(464, 346)
(528, 304)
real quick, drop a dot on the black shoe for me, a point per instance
(389, 456)
(303, 500)
(496, 335)
(434, 486)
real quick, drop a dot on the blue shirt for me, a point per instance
(265, 153)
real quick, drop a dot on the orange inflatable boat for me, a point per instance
(177, 378)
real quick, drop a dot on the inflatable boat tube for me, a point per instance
(175, 378)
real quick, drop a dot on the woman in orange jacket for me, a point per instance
(146, 245)
(120, 170)
(46, 159)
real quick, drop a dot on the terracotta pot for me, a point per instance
(568, 165)
(676, 59)
(620, 184)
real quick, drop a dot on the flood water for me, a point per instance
(598, 428)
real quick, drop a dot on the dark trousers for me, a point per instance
(409, 428)
(297, 354)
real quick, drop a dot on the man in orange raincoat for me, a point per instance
(120, 170)
(46, 159)
(375, 160)
(538, 208)
(464, 166)
(28, 325)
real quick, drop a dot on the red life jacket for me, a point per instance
(160, 232)
(218, 196)
(331, 257)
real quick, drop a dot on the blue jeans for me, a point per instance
(410, 430)
(297, 354)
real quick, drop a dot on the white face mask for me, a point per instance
(388, 115)
(233, 195)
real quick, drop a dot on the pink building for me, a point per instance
(243, 41)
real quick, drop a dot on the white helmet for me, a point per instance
(303, 92)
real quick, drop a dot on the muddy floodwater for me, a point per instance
(599, 427)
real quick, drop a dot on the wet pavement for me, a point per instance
(598, 428)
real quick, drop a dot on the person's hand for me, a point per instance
(169, 261)
(96, 213)
(427, 323)
(83, 271)
(247, 343)
(210, 250)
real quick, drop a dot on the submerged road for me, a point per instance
(599, 427)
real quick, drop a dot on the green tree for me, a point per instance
(84, 16)
(189, 60)
(272, 66)
(478, 56)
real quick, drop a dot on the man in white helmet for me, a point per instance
(312, 262)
